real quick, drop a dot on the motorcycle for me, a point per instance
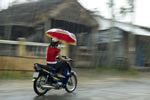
(42, 73)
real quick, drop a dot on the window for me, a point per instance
(102, 47)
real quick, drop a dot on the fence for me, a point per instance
(21, 55)
(26, 49)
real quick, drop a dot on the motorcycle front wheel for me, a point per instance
(71, 84)
(37, 85)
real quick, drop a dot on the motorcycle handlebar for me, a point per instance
(64, 58)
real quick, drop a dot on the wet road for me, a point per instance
(89, 88)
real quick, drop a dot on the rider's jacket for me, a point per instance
(52, 52)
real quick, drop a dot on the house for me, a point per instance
(130, 43)
(117, 41)
(31, 20)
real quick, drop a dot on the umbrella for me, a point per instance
(62, 35)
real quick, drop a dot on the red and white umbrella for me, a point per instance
(62, 35)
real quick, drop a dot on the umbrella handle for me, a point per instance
(66, 58)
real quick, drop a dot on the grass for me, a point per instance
(15, 75)
(110, 71)
(116, 71)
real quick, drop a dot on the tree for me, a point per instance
(14, 2)
(124, 10)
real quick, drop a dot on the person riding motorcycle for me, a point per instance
(53, 54)
(56, 74)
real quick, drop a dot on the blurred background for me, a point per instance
(110, 33)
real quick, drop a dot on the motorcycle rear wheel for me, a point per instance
(37, 85)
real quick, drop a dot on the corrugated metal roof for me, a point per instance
(134, 29)
(29, 14)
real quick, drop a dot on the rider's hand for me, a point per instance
(58, 58)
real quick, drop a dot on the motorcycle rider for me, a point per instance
(53, 53)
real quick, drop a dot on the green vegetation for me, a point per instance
(117, 71)
(99, 71)
(15, 75)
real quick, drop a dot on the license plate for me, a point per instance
(35, 74)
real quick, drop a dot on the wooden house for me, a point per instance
(129, 44)
(31, 20)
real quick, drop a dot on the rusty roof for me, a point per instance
(29, 14)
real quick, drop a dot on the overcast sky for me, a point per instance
(141, 15)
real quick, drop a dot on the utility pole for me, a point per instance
(131, 39)
(111, 34)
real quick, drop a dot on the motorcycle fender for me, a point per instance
(73, 72)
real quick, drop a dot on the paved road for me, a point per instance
(99, 88)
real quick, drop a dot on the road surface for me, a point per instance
(89, 88)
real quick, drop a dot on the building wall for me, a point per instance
(118, 42)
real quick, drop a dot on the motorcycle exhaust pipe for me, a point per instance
(48, 87)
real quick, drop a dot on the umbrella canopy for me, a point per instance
(62, 35)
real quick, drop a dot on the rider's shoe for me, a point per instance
(56, 78)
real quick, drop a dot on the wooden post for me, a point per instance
(65, 50)
(7, 31)
(21, 47)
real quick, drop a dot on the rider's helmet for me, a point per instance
(54, 42)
